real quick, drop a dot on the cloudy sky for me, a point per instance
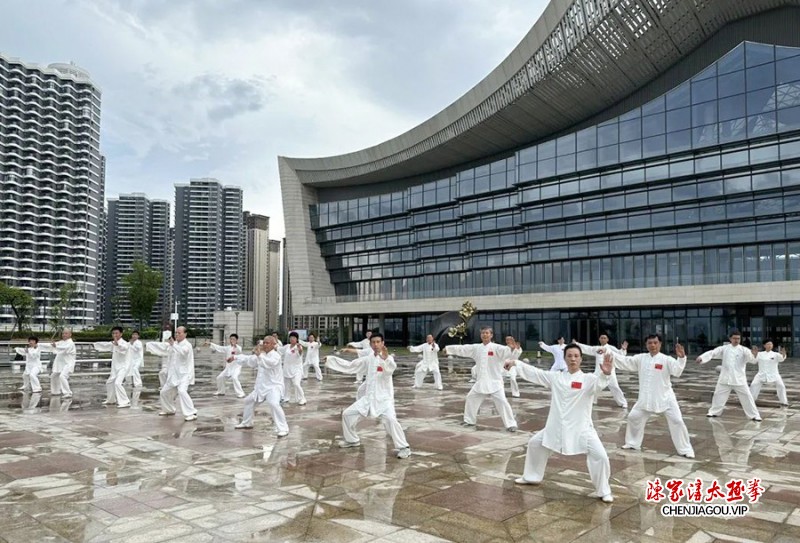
(219, 88)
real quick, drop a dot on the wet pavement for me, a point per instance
(75, 470)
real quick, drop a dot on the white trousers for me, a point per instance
(475, 399)
(351, 416)
(273, 399)
(233, 374)
(596, 461)
(512, 379)
(317, 371)
(162, 377)
(30, 380)
(59, 382)
(168, 394)
(755, 388)
(291, 384)
(115, 389)
(616, 392)
(420, 373)
(637, 419)
(721, 394)
(136, 377)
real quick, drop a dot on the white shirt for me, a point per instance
(598, 356)
(557, 350)
(292, 360)
(312, 351)
(489, 359)
(227, 350)
(655, 386)
(363, 344)
(734, 362)
(768, 365)
(181, 367)
(65, 355)
(33, 357)
(119, 354)
(377, 396)
(136, 352)
(430, 355)
(569, 423)
(269, 376)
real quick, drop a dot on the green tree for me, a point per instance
(20, 302)
(143, 284)
(60, 311)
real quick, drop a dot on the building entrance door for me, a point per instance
(779, 330)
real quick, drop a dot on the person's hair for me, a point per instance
(234, 335)
(117, 328)
(376, 334)
(294, 335)
(312, 334)
(604, 334)
(34, 339)
(767, 341)
(487, 328)
(560, 337)
(572, 346)
(735, 332)
(136, 332)
(654, 336)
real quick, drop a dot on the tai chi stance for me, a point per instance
(732, 376)
(655, 393)
(292, 355)
(120, 363)
(557, 350)
(33, 365)
(136, 354)
(569, 429)
(598, 352)
(179, 376)
(377, 399)
(429, 362)
(516, 352)
(231, 371)
(63, 364)
(768, 361)
(489, 358)
(312, 357)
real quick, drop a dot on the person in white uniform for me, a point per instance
(63, 364)
(516, 352)
(33, 365)
(136, 354)
(179, 376)
(377, 400)
(557, 350)
(312, 347)
(278, 342)
(655, 393)
(569, 429)
(429, 362)
(268, 387)
(732, 376)
(489, 358)
(120, 362)
(166, 333)
(768, 361)
(292, 356)
(363, 344)
(599, 351)
(230, 371)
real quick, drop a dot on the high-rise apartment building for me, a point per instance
(209, 246)
(138, 229)
(51, 185)
(273, 290)
(256, 269)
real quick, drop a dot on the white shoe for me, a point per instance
(243, 427)
(107, 402)
(688, 455)
(608, 498)
(282, 434)
(439, 388)
(165, 414)
(65, 396)
(218, 394)
(120, 406)
(515, 395)
(190, 418)
(349, 444)
(302, 403)
(404, 453)
(630, 448)
(521, 481)
(240, 396)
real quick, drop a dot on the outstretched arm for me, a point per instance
(709, 355)
(529, 373)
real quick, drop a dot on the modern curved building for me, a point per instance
(631, 167)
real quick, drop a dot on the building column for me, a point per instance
(341, 327)
(382, 324)
(352, 329)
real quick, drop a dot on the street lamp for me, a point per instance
(237, 322)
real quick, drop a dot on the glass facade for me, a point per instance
(699, 186)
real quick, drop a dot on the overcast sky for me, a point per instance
(220, 88)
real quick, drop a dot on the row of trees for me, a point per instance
(142, 285)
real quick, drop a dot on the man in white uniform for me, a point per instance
(268, 387)
(115, 389)
(363, 344)
(768, 361)
(179, 376)
(136, 354)
(732, 376)
(166, 333)
(312, 357)
(429, 362)
(292, 356)
(599, 351)
(569, 429)
(33, 365)
(655, 393)
(516, 352)
(489, 358)
(557, 350)
(378, 398)
(230, 371)
(63, 364)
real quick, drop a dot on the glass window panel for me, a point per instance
(569, 187)
(483, 184)
(654, 106)
(687, 216)
(679, 119)
(712, 213)
(653, 125)
(790, 149)
(760, 77)
(547, 168)
(731, 84)
(631, 150)
(611, 179)
(566, 164)
(774, 231)
(639, 221)
(654, 146)
(679, 141)
(768, 153)
(707, 164)
(789, 119)
(790, 178)
(608, 134)
(482, 170)
(549, 191)
(587, 159)
(608, 155)
(634, 199)
(571, 209)
(660, 196)
(761, 125)
(594, 227)
(758, 53)
(547, 149)
(587, 138)
(735, 159)
(684, 192)
(709, 72)
(788, 70)
(657, 172)
(613, 202)
(617, 224)
(760, 101)
(703, 114)
(735, 185)
(743, 233)
(565, 145)
(739, 210)
(589, 184)
(641, 244)
(526, 156)
(527, 172)
(630, 130)
(713, 236)
(732, 130)
(552, 212)
(632, 114)
(663, 219)
(576, 229)
(734, 60)
(705, 90)
(732, 108)
(766, 180)
(633, 176)
(679, 97)
(773, 206)
(782, 52)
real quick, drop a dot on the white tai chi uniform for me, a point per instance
(768, 373)
(63, 366)
(231, 370)
(512, 373)
(489, 360)
(312, 359)
(655, 397)
(613, 385)
(429, 363)
(179, 376)
(377, 399)
(120, 360)
(557, 351)
(165, 360)
(732, 377)
(268, 388)
(360, 345)
(292, 356)
(569, 429)
(33, 365)
(136, 353)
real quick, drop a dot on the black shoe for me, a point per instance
(712, 416)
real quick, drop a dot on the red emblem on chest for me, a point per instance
(379, 368)
(659, 366)
(490, 353)
(576, 384)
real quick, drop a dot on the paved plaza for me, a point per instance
(75, 470)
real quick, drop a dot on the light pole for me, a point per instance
(236, 329)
